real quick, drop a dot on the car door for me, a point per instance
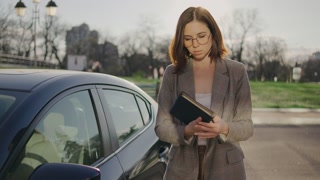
(68, 131)
(131, 119)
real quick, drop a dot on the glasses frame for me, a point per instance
(192, 39)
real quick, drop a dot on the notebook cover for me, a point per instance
(187, 109)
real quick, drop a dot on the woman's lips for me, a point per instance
(197, 52)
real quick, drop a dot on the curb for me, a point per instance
(286, 110)
(288, 121)
(284, 116)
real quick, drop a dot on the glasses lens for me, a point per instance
(202, 39)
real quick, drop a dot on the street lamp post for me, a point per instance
(51, 11)
(296, 73)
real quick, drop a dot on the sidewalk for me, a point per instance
(291, 116)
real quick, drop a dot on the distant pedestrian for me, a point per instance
(95, 66)
(202, 150)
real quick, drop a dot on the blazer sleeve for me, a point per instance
(167, 128)
(241, 127)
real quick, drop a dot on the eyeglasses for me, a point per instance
(202, 39)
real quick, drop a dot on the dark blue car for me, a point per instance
(58, 124)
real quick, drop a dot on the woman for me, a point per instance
(204, 150)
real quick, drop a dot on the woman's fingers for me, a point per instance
(208, 130)
(207, 134)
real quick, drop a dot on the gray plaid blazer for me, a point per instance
(231, 100)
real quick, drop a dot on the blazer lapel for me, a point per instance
(220, 86)
(186, 81)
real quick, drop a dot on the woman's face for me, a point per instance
(197, 39)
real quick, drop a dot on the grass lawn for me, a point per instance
(273, 94)
(285, 95)
(139, 80)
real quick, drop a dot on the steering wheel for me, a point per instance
(36, 157)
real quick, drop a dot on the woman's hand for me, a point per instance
(192, 128)
(211, 129)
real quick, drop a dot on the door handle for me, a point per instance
(163, 152)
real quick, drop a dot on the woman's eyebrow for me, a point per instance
(197, 34)
(202, 33)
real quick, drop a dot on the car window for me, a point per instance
(145, 109)
(67, 133)
(9, 99)
(5, 103)
(125, 113)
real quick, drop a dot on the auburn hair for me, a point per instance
(179, 54)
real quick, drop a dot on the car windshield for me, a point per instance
(7, 101)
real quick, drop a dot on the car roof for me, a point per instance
(28, 79)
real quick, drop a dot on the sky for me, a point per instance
(295, 21)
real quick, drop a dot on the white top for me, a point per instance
(204, 99)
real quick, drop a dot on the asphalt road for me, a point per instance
(284, 151)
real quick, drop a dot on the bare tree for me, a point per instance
(149, 39)
(53, 37)
(311, 68)
(6, 25)
(237, 29)
(267, 49)
(147, 33)
(161, 49)
(129, 44)
(144, 41)
(23, 38)
(15, 36)
(46, 36)
(57, 42)
(129, 47)
(4, 22)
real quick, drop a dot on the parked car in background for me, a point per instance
(62, 124)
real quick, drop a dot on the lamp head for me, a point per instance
(51, 8)
(20, 8)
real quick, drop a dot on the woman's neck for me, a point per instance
(205, 63)
(203, 76)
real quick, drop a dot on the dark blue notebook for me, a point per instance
(186, 109)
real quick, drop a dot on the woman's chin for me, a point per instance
(198, 58)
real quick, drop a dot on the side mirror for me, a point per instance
(65, 171)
